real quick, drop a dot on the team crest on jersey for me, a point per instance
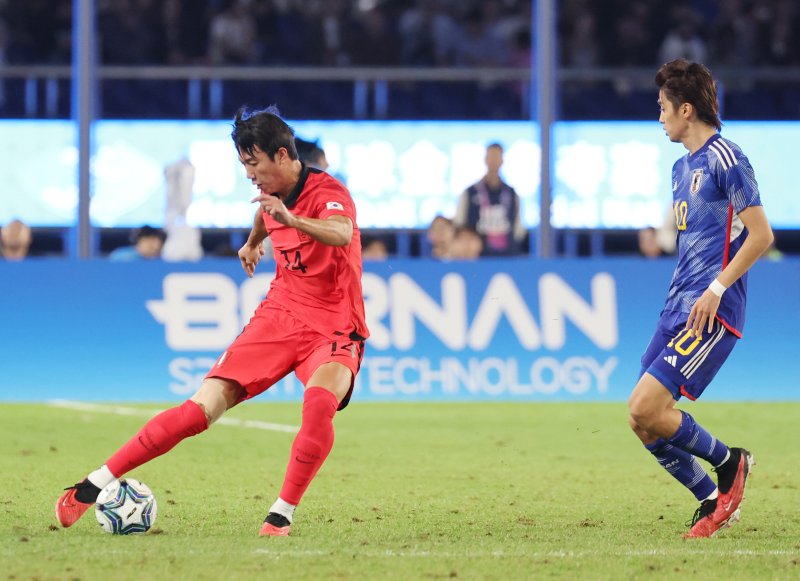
(697, 179)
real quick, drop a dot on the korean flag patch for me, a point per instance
(334, 206)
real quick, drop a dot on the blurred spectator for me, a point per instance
(373, 248)
(232, 34)
(648, 243)
(428, 35)
(147, 245)
(682, 40)
(780, 40)
(329, 32)
(131, 32)
(186, 30)
(374, 42)
(311, 153)
(479, 45)
(414, 32)
(467, 244)
(492, 208)
(634, 43)
(440, 236)
(15, 240)
(4, 42)
(578, 37)
(735, 20)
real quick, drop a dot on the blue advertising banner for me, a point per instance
(526, 330)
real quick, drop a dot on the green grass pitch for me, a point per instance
(410, 491)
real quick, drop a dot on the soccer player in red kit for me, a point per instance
(311, 322)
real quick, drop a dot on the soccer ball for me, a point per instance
(126, 507)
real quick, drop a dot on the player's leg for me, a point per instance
(654, 419)
(158, 436)
(685, 367)
(326, 388)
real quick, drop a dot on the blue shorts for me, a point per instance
(686, 364)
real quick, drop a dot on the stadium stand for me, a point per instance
(419, 56)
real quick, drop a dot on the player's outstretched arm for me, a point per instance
(759, 238)
(252, 251)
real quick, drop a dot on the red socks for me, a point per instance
(312, 443)
(159, 436)
(309, 450)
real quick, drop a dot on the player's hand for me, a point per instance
(703, 312)
(275, 207)
(250, 256)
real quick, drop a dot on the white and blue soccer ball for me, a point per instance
(126, 507)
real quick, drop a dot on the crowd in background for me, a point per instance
(405, 32)
(420, 33)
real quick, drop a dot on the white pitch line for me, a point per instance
(278, 552)
(128, 411)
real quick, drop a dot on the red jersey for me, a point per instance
(318, 283)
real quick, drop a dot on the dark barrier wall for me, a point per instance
(486, 330)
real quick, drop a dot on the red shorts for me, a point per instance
(274, 343)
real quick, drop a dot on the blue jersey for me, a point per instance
(710, 187)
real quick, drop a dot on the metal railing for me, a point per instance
(370, 85)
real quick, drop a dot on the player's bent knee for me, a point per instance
(206, 413)
(642, 418)
(216, 396)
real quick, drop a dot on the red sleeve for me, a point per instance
(334, 201)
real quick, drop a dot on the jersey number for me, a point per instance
(681, 209)
(297, 264)
(680, 345)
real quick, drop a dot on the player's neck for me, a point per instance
(291, 181)
(698, 136)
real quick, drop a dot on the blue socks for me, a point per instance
(692, 437)
(683, 467)
(677, 456)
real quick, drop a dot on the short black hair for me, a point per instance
(262, 128)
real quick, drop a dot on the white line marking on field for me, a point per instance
(128, 411)
(517, 555)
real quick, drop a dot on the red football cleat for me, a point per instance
(723, 512)
(275, 525)
(268, 530)
(707, 526)
(68, 509)
(732, 477)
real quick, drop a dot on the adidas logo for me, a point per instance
(671, 359)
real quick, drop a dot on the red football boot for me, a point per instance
(723, 512)
(731, 478)
(275, 525)
(68, 508)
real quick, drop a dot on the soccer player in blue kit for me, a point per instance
(722, 231)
